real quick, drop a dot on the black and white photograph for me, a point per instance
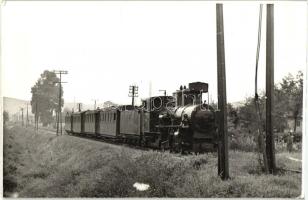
(167, 99)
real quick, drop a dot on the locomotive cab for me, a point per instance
(191, 95)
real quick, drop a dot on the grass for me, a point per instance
(44, 165)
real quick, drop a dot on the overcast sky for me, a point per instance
(106, 46)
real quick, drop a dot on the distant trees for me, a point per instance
(290, 96)
(45, 97)
(5, 117)
(232, 115)
(108, 104)
(288, 99)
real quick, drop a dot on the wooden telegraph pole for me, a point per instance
(133, 92)
(270, 144)
(22, 116)
(59, 118)
(95, 101)
(223, 149)
(27, 123)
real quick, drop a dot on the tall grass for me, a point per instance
(67, 166)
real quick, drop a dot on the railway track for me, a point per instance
(114, 142)
(110, 141)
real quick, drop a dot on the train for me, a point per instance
(182, 122)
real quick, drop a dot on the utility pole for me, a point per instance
(223, 149)
(27, 124)
(270, 144)
(133, 92)
(95, 103)
(79, 107)
(59, 118)
(22, 116)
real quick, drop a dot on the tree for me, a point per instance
(108, 104)
(248, 115)
(233, 115)
(288, 99)
(5, 117)
(291, 94)
(45, 97)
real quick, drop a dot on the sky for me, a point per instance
(106, 46)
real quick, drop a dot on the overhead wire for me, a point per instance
(257, 100)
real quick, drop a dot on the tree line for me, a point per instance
(288, 101)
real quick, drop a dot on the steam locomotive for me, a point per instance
(180, 123)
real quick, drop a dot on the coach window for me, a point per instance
(114, 116)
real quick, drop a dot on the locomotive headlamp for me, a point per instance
(176, 132)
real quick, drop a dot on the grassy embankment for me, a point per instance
(43, 165)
